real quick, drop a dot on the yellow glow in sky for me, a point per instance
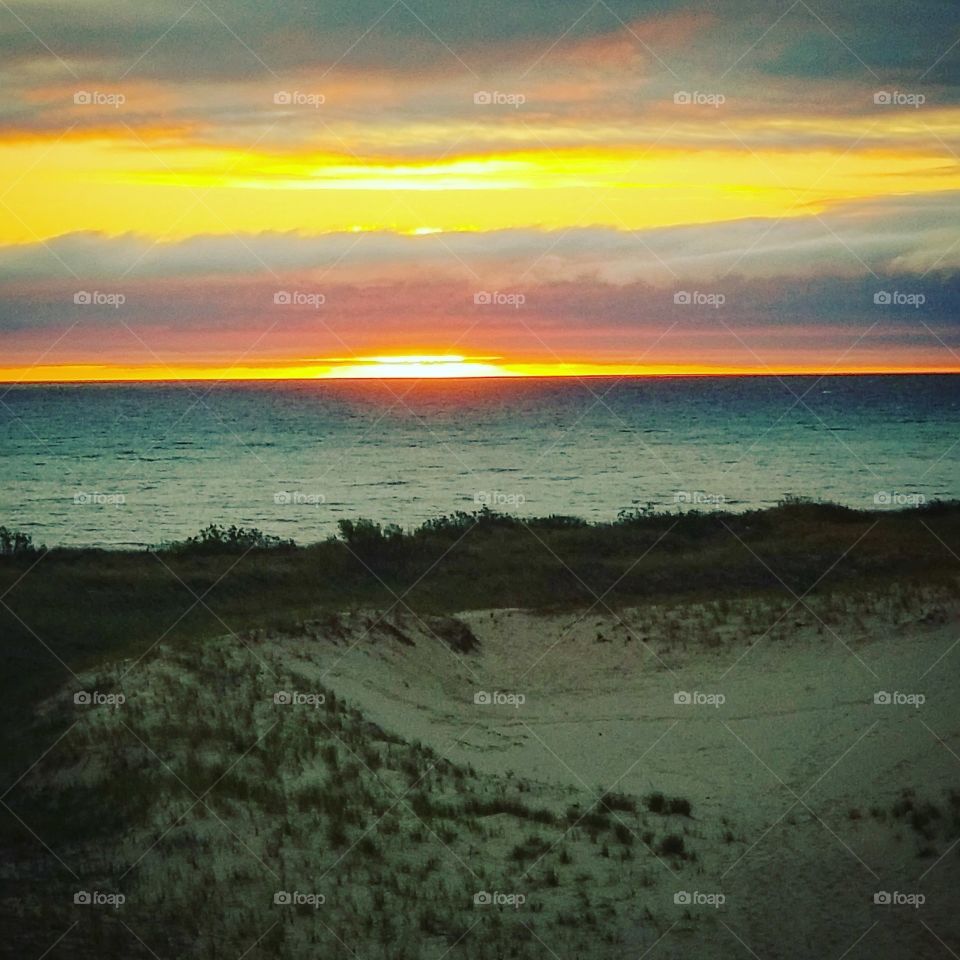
(116, 187)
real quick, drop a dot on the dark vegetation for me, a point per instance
(220, 796)
(66, 609)
(930, 822)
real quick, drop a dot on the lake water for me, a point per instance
(140, 464)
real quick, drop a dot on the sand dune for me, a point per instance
(724, 789)
(795, 759)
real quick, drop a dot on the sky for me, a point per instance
(231, 190)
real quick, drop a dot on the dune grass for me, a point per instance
(202, 799)
(65, 610)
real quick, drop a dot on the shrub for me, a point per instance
(14, 543)
(672, 845)
(233, 539)
(656, 802)
(530, 849)
(336, 835)
(368, 847)
(617, 801)
(623, 834)
(369, 540)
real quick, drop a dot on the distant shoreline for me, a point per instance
(247, 539)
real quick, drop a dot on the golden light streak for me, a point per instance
(114, 187)
(429, 368)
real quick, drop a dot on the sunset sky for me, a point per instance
(426, 188)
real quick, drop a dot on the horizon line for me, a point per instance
(705, 373)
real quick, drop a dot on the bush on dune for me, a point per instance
(233, 539)
(16, 543)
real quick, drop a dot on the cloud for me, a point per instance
(744, 323)
(208, 74)
(902, 235)
(726, 292)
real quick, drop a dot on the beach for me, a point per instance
(758, 775)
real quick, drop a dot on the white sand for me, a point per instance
(797, 745)
(773, 773)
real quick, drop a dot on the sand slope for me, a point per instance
(449, 757)
(795, 759)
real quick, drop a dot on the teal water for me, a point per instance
(140, 464)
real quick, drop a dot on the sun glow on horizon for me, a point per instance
(420, 367)
(417, 367)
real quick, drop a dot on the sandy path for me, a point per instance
(797, 744)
